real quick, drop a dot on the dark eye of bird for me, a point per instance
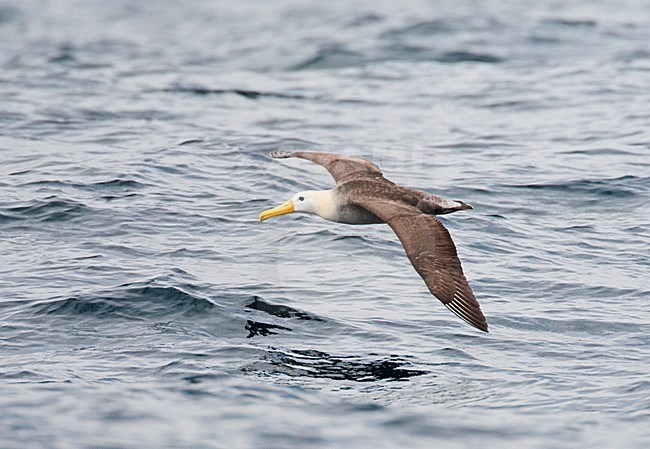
(301, 198)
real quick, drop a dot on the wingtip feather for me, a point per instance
(480, 324)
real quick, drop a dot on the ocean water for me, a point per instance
(142, 304)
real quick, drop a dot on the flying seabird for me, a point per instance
(363, 196)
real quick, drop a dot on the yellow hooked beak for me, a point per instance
(285, 208)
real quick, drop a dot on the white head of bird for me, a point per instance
(316, 202)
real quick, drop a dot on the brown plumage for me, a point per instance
(363, 196)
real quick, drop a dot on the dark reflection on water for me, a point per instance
(279, 310)
(142, 304)
(255, 328)
(246, 93)
(317, 364)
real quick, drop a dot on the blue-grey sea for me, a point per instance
(143, 305)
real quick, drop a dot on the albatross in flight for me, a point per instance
(363, 196)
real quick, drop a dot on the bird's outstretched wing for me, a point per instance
(342, 168)
(432, 253)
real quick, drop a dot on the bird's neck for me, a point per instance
(326, 204)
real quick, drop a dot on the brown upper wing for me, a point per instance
(432, 252)
(340, 167)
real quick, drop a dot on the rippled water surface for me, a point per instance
(142, 305)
